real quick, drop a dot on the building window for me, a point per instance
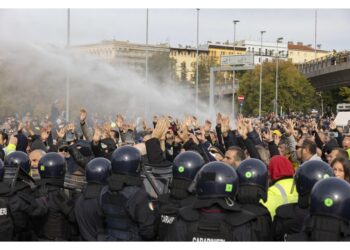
(265, 52)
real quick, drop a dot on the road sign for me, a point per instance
(237, 60)
(240, 98)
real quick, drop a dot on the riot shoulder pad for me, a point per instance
(189, 214)
(240, 218)
(130, 191)
(4, 189)
(257, 209)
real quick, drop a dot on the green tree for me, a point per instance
(295, 93)
(345, 92)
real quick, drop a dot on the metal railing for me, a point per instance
(313, 66)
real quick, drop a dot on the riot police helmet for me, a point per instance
(309, 173)
(126, 160)
(52, 165)
(331, 197)
(20, 159)
(216, 180)
(98, 170)
(253, 172)
(186, 165)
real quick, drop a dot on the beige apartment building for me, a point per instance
(186, 62)
(123, 52)
(301, 53)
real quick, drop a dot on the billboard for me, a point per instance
(232, 60)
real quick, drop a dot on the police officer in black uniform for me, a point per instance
(87, 210)
(290, 218)
(214, 215)
(253, 185)
(185, 167)
(18, 206)
(128, 210)
(329, 213)
(59, 222)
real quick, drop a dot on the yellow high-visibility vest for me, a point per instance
(282, 192)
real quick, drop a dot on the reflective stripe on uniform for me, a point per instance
(283, 193)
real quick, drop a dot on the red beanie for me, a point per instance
(280, 167)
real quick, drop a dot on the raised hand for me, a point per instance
(20, 126)
(83, 115)
(161, 129)
(225, 125)
(249, 124)
(97, 134)
(207, 127)
(61, 132)
(183, 132)
(267, 136)
(119, 121)
(332, 125)
(242, 128)
(71, 127)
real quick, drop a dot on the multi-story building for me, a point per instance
(301, 53)
(123, 52)
(268, 52)
(186, 61)
(216, 50)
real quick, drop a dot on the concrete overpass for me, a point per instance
(328, 72)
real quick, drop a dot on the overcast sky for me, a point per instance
(177, 26)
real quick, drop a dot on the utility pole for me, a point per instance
(197, 76)
(261, 66)
(68, 79)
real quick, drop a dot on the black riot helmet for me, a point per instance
(98, 170)
(20, 159)
(306, 177)
(126, 160)
(253, 181)
(186, 165)
(216, 180)
(2, 170)
(331, 197)
(52, 165)
(253, 172)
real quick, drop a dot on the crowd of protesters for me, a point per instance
(283, 144)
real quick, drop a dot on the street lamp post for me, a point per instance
(315, 33)
(147, 103)
(261, 64)
(233, 71)
(197, 76)
(320, 95)
(277, 56)
(146, 47)
(68, 79)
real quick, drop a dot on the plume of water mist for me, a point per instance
(33, 76)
